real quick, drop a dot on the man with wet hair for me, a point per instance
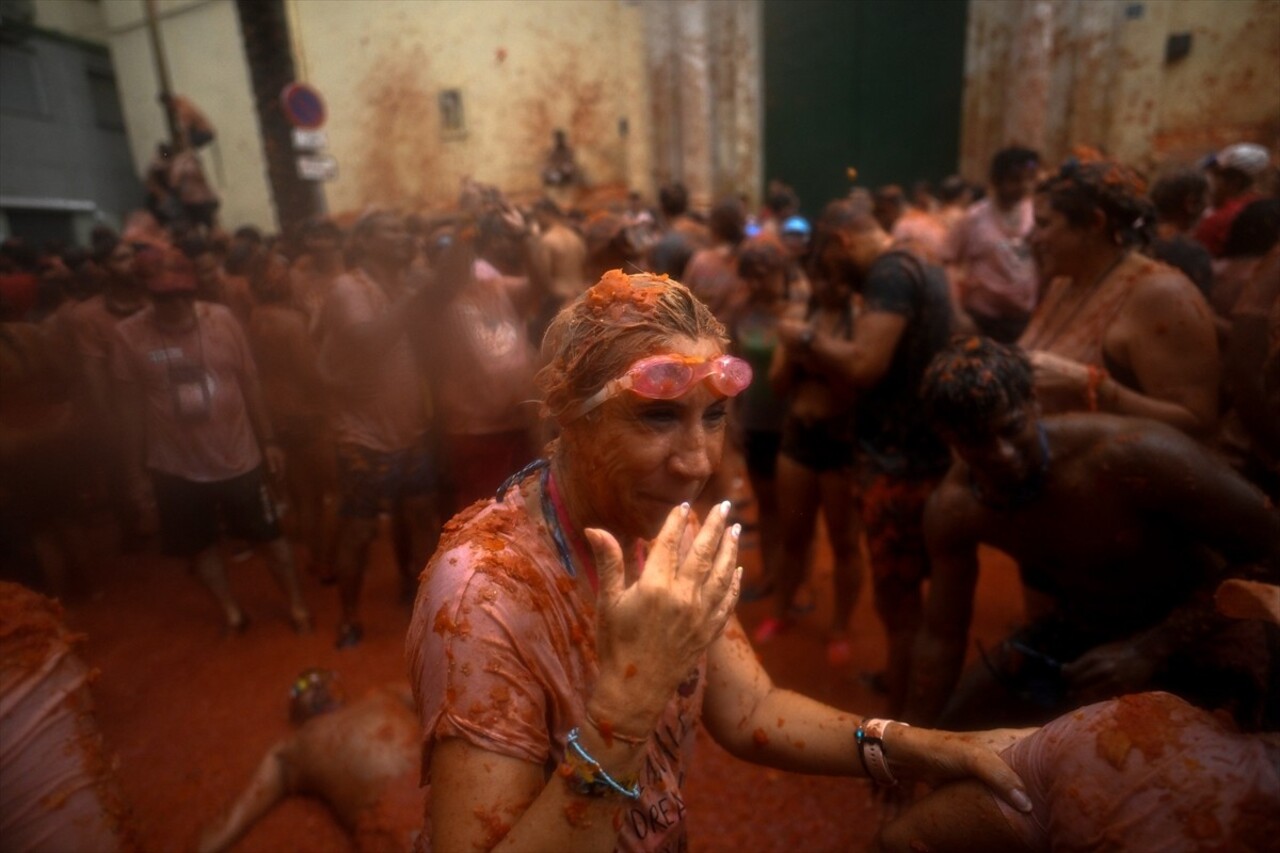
(359, 759)
(682, 235)
(378, 413)
(1113, 522)
(712, 273)
(989, 247)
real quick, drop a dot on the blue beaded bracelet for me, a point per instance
(591, 786)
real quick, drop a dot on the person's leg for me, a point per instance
(280, 558)
(267, 788)
(362, 483)
(212, 572)
(762, 470)
(249, 512)
(798, 499)
(844, 527)
(416, 520)
(893, 515)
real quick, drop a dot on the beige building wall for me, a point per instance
(1053, 74)
(523, 70)
(647, 91)
(206, 64)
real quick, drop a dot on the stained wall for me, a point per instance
(1055, 73)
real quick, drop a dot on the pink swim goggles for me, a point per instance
(665, 377)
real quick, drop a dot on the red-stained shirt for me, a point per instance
(1214, 228)
(997, 274)
(377, 403)
(501, 653)
(1145, 772)
(215, 448)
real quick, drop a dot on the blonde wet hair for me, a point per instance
(618, 321)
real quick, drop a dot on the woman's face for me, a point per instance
(1056, 244)
(637, 458)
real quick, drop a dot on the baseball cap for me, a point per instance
(165, 271)
(1244, 157)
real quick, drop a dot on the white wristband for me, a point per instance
(872, 752)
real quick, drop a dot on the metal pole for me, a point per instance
(176, 137)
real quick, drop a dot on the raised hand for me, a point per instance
(650, 634)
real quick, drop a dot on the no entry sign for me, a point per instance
(303, 106)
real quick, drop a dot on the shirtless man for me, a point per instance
(1110, 520)
(316, 268)
(378, 413)
(558, 259)
(359, 759)
(295, 397)
(712, 274)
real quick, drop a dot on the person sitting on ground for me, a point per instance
(907, 318)
(1114, 523)
(996, 277)
(1142, 772)
(187, 384)
(1116, 332)
(1233, 175)
(561, 665)
(359, 759)
(1179, 198)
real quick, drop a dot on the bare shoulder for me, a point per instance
(1164, 290)
(953, 513)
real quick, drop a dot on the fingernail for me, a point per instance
(1021, 801)
(684, 508)
(735, 531)
(724, 508)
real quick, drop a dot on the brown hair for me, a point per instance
(620, 320)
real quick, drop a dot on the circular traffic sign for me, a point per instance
(303, 106)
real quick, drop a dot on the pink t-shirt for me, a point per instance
(197, 422)
(502, 654)
(1146, 772)
(997, 273)
(377, 403)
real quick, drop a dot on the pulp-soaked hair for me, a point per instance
(1008, 162)
(972, 382)
(618, 321)
(1082, 188)
(760, 257)
(1172, 189)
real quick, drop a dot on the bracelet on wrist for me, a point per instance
(585, 776)
(872, 751)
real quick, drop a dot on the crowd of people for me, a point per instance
(1067, 365)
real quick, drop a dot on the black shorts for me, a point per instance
(824, 445)
(193, 514)
(760, 449)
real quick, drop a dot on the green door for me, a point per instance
(871, 84)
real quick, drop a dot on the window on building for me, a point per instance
(21, 89)
(105, 99)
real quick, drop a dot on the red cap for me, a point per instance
(165, 271)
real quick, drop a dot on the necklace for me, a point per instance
(557, 517)
(1044, 340)
(1026, 491)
